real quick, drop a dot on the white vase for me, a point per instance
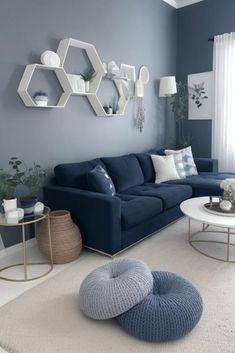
(87, 86)
(9, 205)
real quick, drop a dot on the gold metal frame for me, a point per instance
(204, 229)
(25, 261)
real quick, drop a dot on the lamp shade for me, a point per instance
(167, 86)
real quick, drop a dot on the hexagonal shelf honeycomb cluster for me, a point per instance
(66, 80)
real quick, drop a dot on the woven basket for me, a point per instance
(65, 238)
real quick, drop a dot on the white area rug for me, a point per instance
(46, 319)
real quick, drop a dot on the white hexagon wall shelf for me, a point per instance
(122, 102)
(93, 56)
(27, 77)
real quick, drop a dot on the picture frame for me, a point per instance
(128, 72)
(200, 96)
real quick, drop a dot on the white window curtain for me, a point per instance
(223, 131)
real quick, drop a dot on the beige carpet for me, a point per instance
(46, 319)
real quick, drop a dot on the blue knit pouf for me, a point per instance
(170, 311)
(114, 288)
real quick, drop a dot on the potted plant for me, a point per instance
(41, 98)
(87, 77)
(180, 109)
(33, 179)
(7, 189)
(29, 179)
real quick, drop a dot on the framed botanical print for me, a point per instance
(200, 96)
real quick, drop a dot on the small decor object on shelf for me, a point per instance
(128, 72)
(228, 185)
(87, 77)
(110, 110)
(41, 99)
(113, 69)
(50, 58)
(66, 239)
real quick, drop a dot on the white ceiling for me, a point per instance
(181, 3)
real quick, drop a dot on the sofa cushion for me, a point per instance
(98, 180)
(171, 195)
(125, 171)
(135, 210)
(205, 184)
(146, 164)
(74, 174)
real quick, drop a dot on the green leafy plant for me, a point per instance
(39, 94)
(180, 109)
(32, 178)
(88, 75)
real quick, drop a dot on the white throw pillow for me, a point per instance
(187, 156)
(164, 167)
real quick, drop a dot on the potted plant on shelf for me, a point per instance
(87, 77)
(41, 99)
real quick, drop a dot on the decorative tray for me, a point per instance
(215, 209)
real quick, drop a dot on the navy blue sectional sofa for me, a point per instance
(140, 207)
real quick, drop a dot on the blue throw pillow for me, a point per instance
(98, 180)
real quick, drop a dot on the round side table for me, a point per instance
(28, 220)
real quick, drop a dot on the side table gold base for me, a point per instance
(25, 264)
(28, 279)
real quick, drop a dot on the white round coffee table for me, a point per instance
(194, 210)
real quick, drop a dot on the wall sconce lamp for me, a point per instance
(168, 86)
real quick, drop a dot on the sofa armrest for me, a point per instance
(206, 165)
(97, 215)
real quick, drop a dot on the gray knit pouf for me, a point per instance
(171, 311)
(114, 288)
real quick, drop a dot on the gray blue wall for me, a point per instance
(135, 32)
(196, 23)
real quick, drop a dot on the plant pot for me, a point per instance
(41, 101)
(9, 205)
(87, 86)
(66, 240)
(28, 203)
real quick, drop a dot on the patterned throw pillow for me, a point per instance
(98, 180)
(179, 164)
(188, 161)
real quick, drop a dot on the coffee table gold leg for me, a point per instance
(49, 237)
(24, 252)
(228, 245)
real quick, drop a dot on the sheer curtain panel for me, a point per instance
(223, 130)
